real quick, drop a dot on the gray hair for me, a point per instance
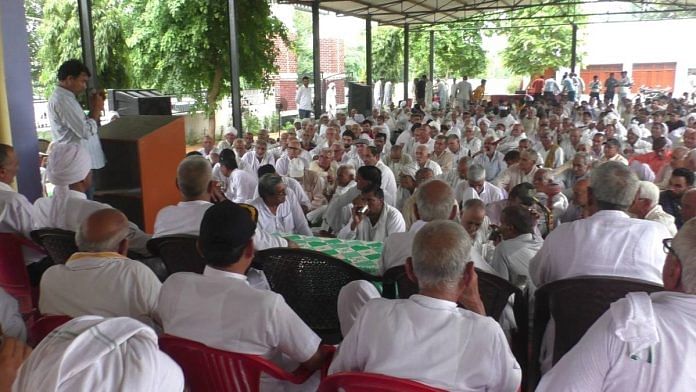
(108, 245)
(684, 245)
(531, 154)
(193, 176)
(268, 183)
(614, 185)
(349, 167)
(440, 252)
(476, 172)
(582, 155)
(648, 190)
(434, 205)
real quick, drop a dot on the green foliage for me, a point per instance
(458, 51)
(59, 40)
(531, 50)
(250, 122)
(302, 46)
(354, 61)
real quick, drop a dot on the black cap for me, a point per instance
(227, 157)
(225, 228)
(613, 142)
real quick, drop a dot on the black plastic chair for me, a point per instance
(575, 304)
(396, 284)
(309, 282)
(178, 252)
(58, 243)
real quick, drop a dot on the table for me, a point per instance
(361, 254)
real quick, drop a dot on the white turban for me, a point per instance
(93, 353)
(296, 168)
(68, 163)
(409, 170)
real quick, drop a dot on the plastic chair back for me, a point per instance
(575, 304)
(178, 252)
(396, 284)
(209, 369)
(495, 293)
(359, 382)
(40, 328)
(309, 282)
(59, 244)
(14, 278)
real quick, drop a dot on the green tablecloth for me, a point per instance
(362, 254)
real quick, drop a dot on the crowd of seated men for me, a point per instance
(531, 191)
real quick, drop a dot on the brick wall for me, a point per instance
(286, 60)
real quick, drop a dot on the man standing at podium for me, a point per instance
(69, 124)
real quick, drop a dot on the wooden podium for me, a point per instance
(142, 155)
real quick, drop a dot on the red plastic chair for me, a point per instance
(358, 382)
(209, 369)
(14, 278)
(40, 328)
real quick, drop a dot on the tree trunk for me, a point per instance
(212, 97)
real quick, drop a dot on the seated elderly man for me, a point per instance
(640, 343)
(16, 214)
(325, 166)
(612, 152)
(423, 159)
(345, 180)
(397, 159)
(522, 172)
(416, 340)
(294, 152)
(646, 206)
(258, 157)
(373, 219)
(579, 169)
(100, 279)
(607, 243)
(519, 244)
(366, 177)
(220, 309)
(477, 225)
(98, 354)
(434, 201)
(239, 185)
(549, 194)
(476, 187)
(69, 170)
(312, 184)
(441, 155)
(279, 213)
(458, 175)
(194, 181)
(208, 147)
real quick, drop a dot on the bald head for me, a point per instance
(103, 231)
(435, 200)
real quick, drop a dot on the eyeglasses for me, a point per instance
(667, 246)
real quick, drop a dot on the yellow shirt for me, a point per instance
(479, 92)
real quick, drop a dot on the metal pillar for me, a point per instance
(431, 59)
(316, 50)
(368, 50)
(84, 9)
(574, 48)
(406, 54)
(234, 69)
(18, 93)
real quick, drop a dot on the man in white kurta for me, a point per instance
(379, 222)
(512, 255)
(476, 187)
(288, 216)
(607, 243)
(491, 160)
(426, 337)
(257, 158)
(646, 206)
(240, 185)
(642, 341)
(218, 308)
(100, 279)
(388, 185)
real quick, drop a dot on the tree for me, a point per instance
(535, 45)
(302, 46)
(59, 40)
(457, 50)
(183, 46)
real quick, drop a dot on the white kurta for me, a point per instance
(430, 341)
(657, 214)
(288, 218)
(390, 221)
(388, 183)
(493, 165)
(69, 124)
(104, 284)
(303, 98)
(489, 194)
(511, 257)
(603, 361)
(607, 243)
(432, 165)
(241, 186)
(16, 216)
(513, 176)
(252, 163)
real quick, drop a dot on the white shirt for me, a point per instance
(558, 159)
(493, 165)
(511, 257)
(252, 163)
(388, 183)
(430, 341)
(103, 284)
(513, 176)
(69, 124)
(303, 98)
(607, 243)
(602, 361)
(221, 310)
(16, 216)
(397, 247)
(77, 210)
(289, 217)
(463, 91)
(390, 221)
(10, 319)
(241, 186)
(657, 214)
(283, 163)
(432, 165)
(489, 194)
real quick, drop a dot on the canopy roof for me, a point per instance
(428, 12)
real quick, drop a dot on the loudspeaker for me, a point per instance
(360, 98)
(139, 102)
